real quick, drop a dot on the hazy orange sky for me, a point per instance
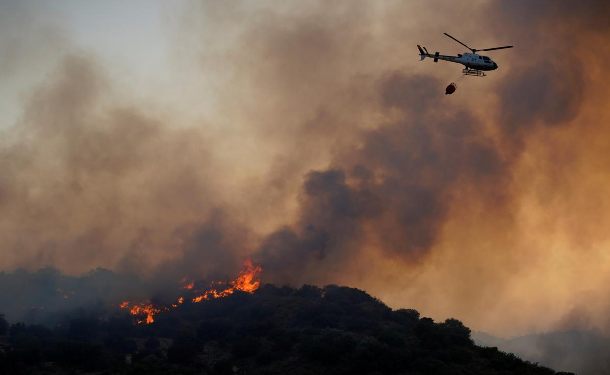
(180, 139)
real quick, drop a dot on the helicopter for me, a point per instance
(475, 64)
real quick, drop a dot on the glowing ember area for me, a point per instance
(246, 281)
(142, 310)
(189, 284)
(180, 300)
(213, 293)
(64, 294)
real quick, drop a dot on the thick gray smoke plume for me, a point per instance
(328, 153)
(392, 192)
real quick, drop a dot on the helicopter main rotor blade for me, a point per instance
(491, 49)
(472, 49)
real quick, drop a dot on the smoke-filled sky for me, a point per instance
(179, 139)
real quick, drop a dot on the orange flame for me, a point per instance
(246, 281)
(190, 285)
(143, 309)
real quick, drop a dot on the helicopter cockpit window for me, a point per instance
(486, 58)
(480, 57)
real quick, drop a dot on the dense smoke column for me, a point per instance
(331, 157)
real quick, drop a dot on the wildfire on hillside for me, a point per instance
(247, 281)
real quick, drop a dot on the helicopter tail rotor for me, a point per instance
(422, 54)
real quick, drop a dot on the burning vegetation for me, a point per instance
(247, 281)
(145, 309)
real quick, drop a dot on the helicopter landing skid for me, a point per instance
(473, 72)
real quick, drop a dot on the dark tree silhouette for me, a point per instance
(3, 325)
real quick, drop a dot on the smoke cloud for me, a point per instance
(328, 153)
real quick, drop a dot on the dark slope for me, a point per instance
(333, 330)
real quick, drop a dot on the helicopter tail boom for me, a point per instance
(423, 53)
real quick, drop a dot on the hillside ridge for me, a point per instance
(275, 330)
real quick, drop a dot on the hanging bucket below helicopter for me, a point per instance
(450, 89)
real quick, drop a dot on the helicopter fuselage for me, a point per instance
(469, 60)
